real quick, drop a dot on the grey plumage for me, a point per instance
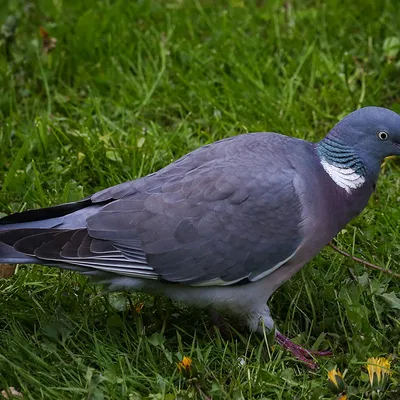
(244, 212)
(205, 217)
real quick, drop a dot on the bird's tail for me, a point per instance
(8, 255)
(27, 224)
(11, 232)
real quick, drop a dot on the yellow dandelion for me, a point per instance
(185, 364)
(335, 381)
(138, 307)
(342, 397)
(378, 372)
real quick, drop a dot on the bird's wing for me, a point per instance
(217, 216)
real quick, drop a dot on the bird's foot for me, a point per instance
(302, 354)
(219, 322)
(225, 326)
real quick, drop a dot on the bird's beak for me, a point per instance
(396, 151)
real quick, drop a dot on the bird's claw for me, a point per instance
(302, 354)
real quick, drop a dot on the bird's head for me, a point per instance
(362, 139)
(374, 132)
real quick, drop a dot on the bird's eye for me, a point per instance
(382, 135)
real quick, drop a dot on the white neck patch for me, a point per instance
(346, 178)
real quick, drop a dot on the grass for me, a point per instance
(132, 86)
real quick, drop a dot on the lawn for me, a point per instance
(129, 86)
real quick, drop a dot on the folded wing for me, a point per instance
(222, 214)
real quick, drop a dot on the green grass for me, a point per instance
(133, 85)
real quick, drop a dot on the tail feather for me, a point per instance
(45, 213)
(28, 224)
(8, 255)
(58, 236)
(73, 220)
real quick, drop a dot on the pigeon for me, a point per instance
(220, 228)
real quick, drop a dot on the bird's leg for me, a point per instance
(219, 322)
(299, 352)
(216, 318)
(224, 325)
(261, 319)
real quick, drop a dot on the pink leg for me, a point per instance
(299, 352)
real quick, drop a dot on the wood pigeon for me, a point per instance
(222, 227)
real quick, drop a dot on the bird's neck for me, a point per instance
(341, 163)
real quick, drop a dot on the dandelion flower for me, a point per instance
(138, 307)
(335, 381)
(378, 372)
(185, 364)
